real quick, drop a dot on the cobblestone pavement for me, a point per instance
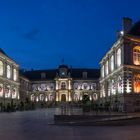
(33, 125)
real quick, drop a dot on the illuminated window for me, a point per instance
(7, 91)
(119, 57)
(1, 90)
(13, 92)
(109, 88)
(8, 71)
(102, 91)
(15, 74)
(120, 85)
(112, 63)
(1, 68)
(42, 97)
(75, 97)
(136, 55)
(95, 97)
(113, 87)
(137, 83)
(102, 71)
(85, 86)
(106, 68)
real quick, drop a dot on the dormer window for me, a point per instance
(43, 75)
(85, 75)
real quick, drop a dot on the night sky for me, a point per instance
(40, 33)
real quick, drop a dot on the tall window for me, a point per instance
(1, 68)
(63, 85)
(13, 92)
(102, 71)
(119, 57)
(136, 55)
(15, 74)
(106, 68)
(8, 71)
(112, 63)
(137, 83)
(1, 89)
(120, 84)
(113, 88)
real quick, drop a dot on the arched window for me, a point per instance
(85, 86)
(41, 97)
(136, 55)
(112, 63)
(33, 97)
(119, 59)
(1, 68)
(13, 92)
(95, 97)
(75, 97)
(8, 71)
(15, 74)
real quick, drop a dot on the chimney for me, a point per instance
(127, 24)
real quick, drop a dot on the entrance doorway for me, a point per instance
(63, 97)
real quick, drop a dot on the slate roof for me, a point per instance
(51, 74)
(135, 30)
(1, 50)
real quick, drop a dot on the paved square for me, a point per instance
(33, 125)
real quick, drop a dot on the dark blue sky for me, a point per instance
(39, 33)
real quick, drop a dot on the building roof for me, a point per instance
(135, 30)
(51, 74)
(1, 50)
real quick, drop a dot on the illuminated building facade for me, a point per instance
(120, 70)
(62, 84)
(9, 80)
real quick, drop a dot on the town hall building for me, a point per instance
(117, 82)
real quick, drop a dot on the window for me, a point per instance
(112, 63)
(119, 57)
(102, 71)
(43, 75)
(7, 91)
(113, 87)
(106, 68)
(1, 90)
(42, 97)
(15, 74)
(84, 74)
(136, 55)
(32, 97)
(13, 92)
(8, 71)
(137, 83)
(120, 85)
(75, 97)
(63, 85)
(1, 68)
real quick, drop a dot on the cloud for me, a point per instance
(32, 35)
